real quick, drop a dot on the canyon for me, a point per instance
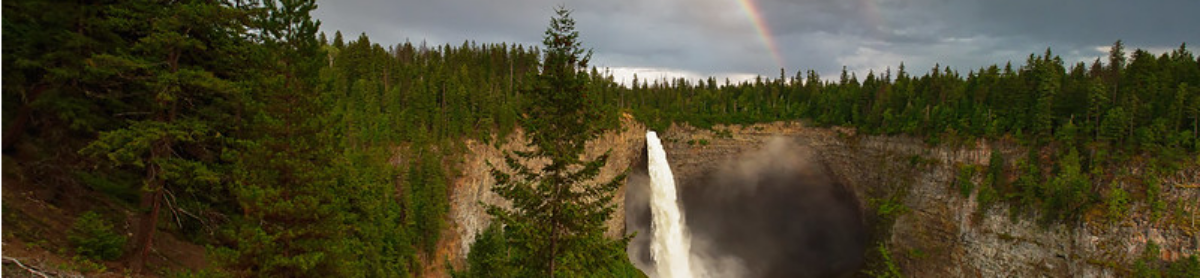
(899, 194)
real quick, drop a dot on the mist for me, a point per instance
(772, 212)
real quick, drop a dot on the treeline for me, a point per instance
(1090, 119)
(1145, 103)
(423, 92)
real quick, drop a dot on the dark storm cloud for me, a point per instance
(704, 37)
(1156, 23)
(970, 34)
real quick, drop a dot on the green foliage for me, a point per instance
(84, 265)
(379, 244)
(1117, 202)
(1142, 269)
(1043, 102)
(114, 184)
(1113, 126)
(1149, 265)
(994, 180)
(1185, 267)
(987, 196)
(1154, 197)
(94, 238)
(313, 201)
(965, 185)
(917, 160)
(887, 267)
(426, 188)
(1068, 193)
(1146, 266)
(890, 207)
(201, 273)
(488, 256)
(620, 266)
(1028, 185)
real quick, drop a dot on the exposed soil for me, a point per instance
(39, 211)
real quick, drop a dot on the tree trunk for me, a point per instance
(152, 194)
(553, 246)
(17, 130)
(151, 203)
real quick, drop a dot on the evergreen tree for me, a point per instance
(489, 255)
(284, 179)
(555, 226)
(178, 73)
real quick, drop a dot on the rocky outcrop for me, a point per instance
(941, 234)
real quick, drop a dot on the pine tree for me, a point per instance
(555, 226)
(178, 73)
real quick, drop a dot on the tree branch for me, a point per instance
(26, 268)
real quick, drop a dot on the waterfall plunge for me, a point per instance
(670, 247)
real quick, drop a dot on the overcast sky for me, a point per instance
(698, 38)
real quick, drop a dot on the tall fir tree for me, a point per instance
(555, 226)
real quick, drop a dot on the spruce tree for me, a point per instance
(555, 226)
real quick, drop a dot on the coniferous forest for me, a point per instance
(238, 126)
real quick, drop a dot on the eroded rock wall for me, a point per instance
(941, 234)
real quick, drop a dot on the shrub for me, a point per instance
(987, 196)
(94, 238)
(1153, 197)
(889, 208)
(1188, 267)
(888, 267)
(1145, 266)
(1149, 265)
(965, 185)
(1118, 202)
(84, 265)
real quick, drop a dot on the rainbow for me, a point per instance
(764, 31)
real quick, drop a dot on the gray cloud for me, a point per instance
(714, 37)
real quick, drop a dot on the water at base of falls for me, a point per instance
(670, 245)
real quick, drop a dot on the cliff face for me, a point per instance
(939, 234)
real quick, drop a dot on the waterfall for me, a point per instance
(670, 244)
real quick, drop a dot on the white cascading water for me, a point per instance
(670, 246)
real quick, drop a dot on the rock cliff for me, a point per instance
(940, 233)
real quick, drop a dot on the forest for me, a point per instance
(288, 152)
